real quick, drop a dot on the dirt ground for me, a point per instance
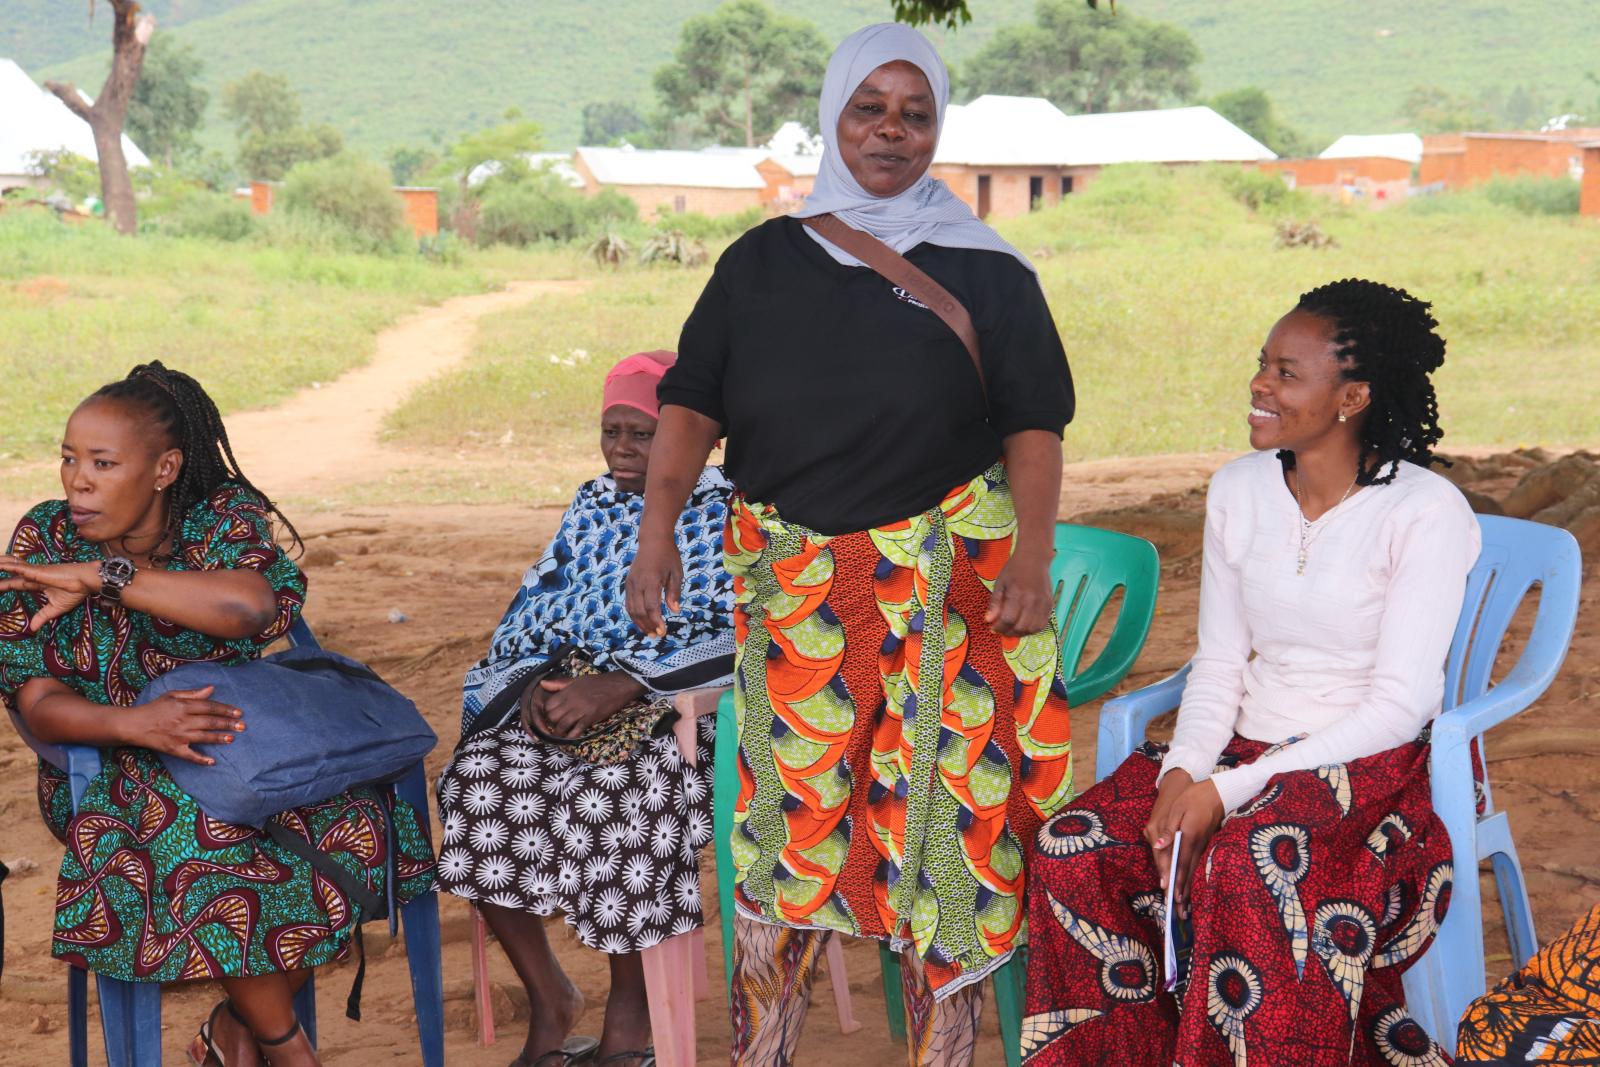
(450, 571)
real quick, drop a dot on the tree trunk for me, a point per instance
(749, 113)
(130, 36)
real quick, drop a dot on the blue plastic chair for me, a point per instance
(1517, 555)
(130, 1012)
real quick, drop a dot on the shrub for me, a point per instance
(541, 207)
(350, 193)
(72, 175)
(710, 227)
(1256, 189)
(209, 215)
(1534, 196)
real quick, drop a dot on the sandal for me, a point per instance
(202, 1051)
(579, 1048)
(295, 1040)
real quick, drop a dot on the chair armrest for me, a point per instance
(81, 763)
(1123, 720)
(693, 703)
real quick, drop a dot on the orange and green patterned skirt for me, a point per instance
(894, 754)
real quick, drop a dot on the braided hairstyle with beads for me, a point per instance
(183, 411)
(1385, 337)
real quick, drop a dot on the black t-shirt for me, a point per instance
(845, 403)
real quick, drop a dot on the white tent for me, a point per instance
(1403, 146)
(999, 131)
(33, 120)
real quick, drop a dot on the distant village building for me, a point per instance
(32, 120)
(1374, 169)
(1455, 161)
(712, 181)
(1007, 155)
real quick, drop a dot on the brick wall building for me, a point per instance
(1460, 160)
(1375, 180)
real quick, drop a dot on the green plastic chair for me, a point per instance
(1090, 565)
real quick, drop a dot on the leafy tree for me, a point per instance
(505, 145)
(131, 31)
(1434, 110)
(168, 104)
(408, 161)
(609, 122)
(742, 71)
(261, 103)
(950, 13)
(69, 173)
(265, 112)
(1251, 110)
(1087, 60)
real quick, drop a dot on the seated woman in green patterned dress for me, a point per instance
(161, 554)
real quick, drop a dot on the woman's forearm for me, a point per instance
(683, 442)
(1033, 467)
(57, 715)
(228, 604)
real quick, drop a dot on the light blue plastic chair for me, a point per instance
(130, 1012)
(1517, 555)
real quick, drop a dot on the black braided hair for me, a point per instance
(1385, 337)
(183, 411)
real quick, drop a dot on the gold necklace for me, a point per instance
(1307, 538)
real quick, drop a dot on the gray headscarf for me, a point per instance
(926, 212)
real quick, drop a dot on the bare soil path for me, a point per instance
(322, 435)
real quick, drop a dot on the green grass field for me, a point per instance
(79, 306)
(1163, 287)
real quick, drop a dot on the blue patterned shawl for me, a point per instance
(573, 595)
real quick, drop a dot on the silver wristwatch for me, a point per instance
(115, 574)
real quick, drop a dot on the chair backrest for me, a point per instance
(1090, 566)
(1517, 555)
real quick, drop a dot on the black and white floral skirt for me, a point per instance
(614, 848)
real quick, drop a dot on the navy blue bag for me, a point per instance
(316, 724)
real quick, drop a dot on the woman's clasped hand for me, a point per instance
(567, 707)
(1190, 806)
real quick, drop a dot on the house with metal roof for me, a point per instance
(713, 181)
(32, 120)
(1005, 155)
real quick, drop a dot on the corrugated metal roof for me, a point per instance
(35, 121)
(1000, 131)
(1406, 146)
(695, 170)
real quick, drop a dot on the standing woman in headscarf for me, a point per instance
(902, 720)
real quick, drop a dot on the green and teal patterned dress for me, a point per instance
(151, 887)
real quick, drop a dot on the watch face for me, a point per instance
(117, 571)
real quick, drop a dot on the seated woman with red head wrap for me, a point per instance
(530, 828)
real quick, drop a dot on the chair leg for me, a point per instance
(672, 1023)
(420, 922)
(1008, 1005)
(894, 995)
(130, 1018)
(839, 979)
(78, 1016)
(482, 994)
(724, 794)
(697, 950)
(305, 1008)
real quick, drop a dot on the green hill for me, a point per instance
(391, 72)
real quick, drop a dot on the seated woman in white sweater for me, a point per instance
(1312, 869)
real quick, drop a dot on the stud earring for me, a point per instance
(1342, 418)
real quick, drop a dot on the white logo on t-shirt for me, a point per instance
(905, 295)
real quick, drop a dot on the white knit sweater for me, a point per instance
(1347, 659)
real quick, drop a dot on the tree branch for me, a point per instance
(71, 97)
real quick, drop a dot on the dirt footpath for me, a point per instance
(451, 570)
